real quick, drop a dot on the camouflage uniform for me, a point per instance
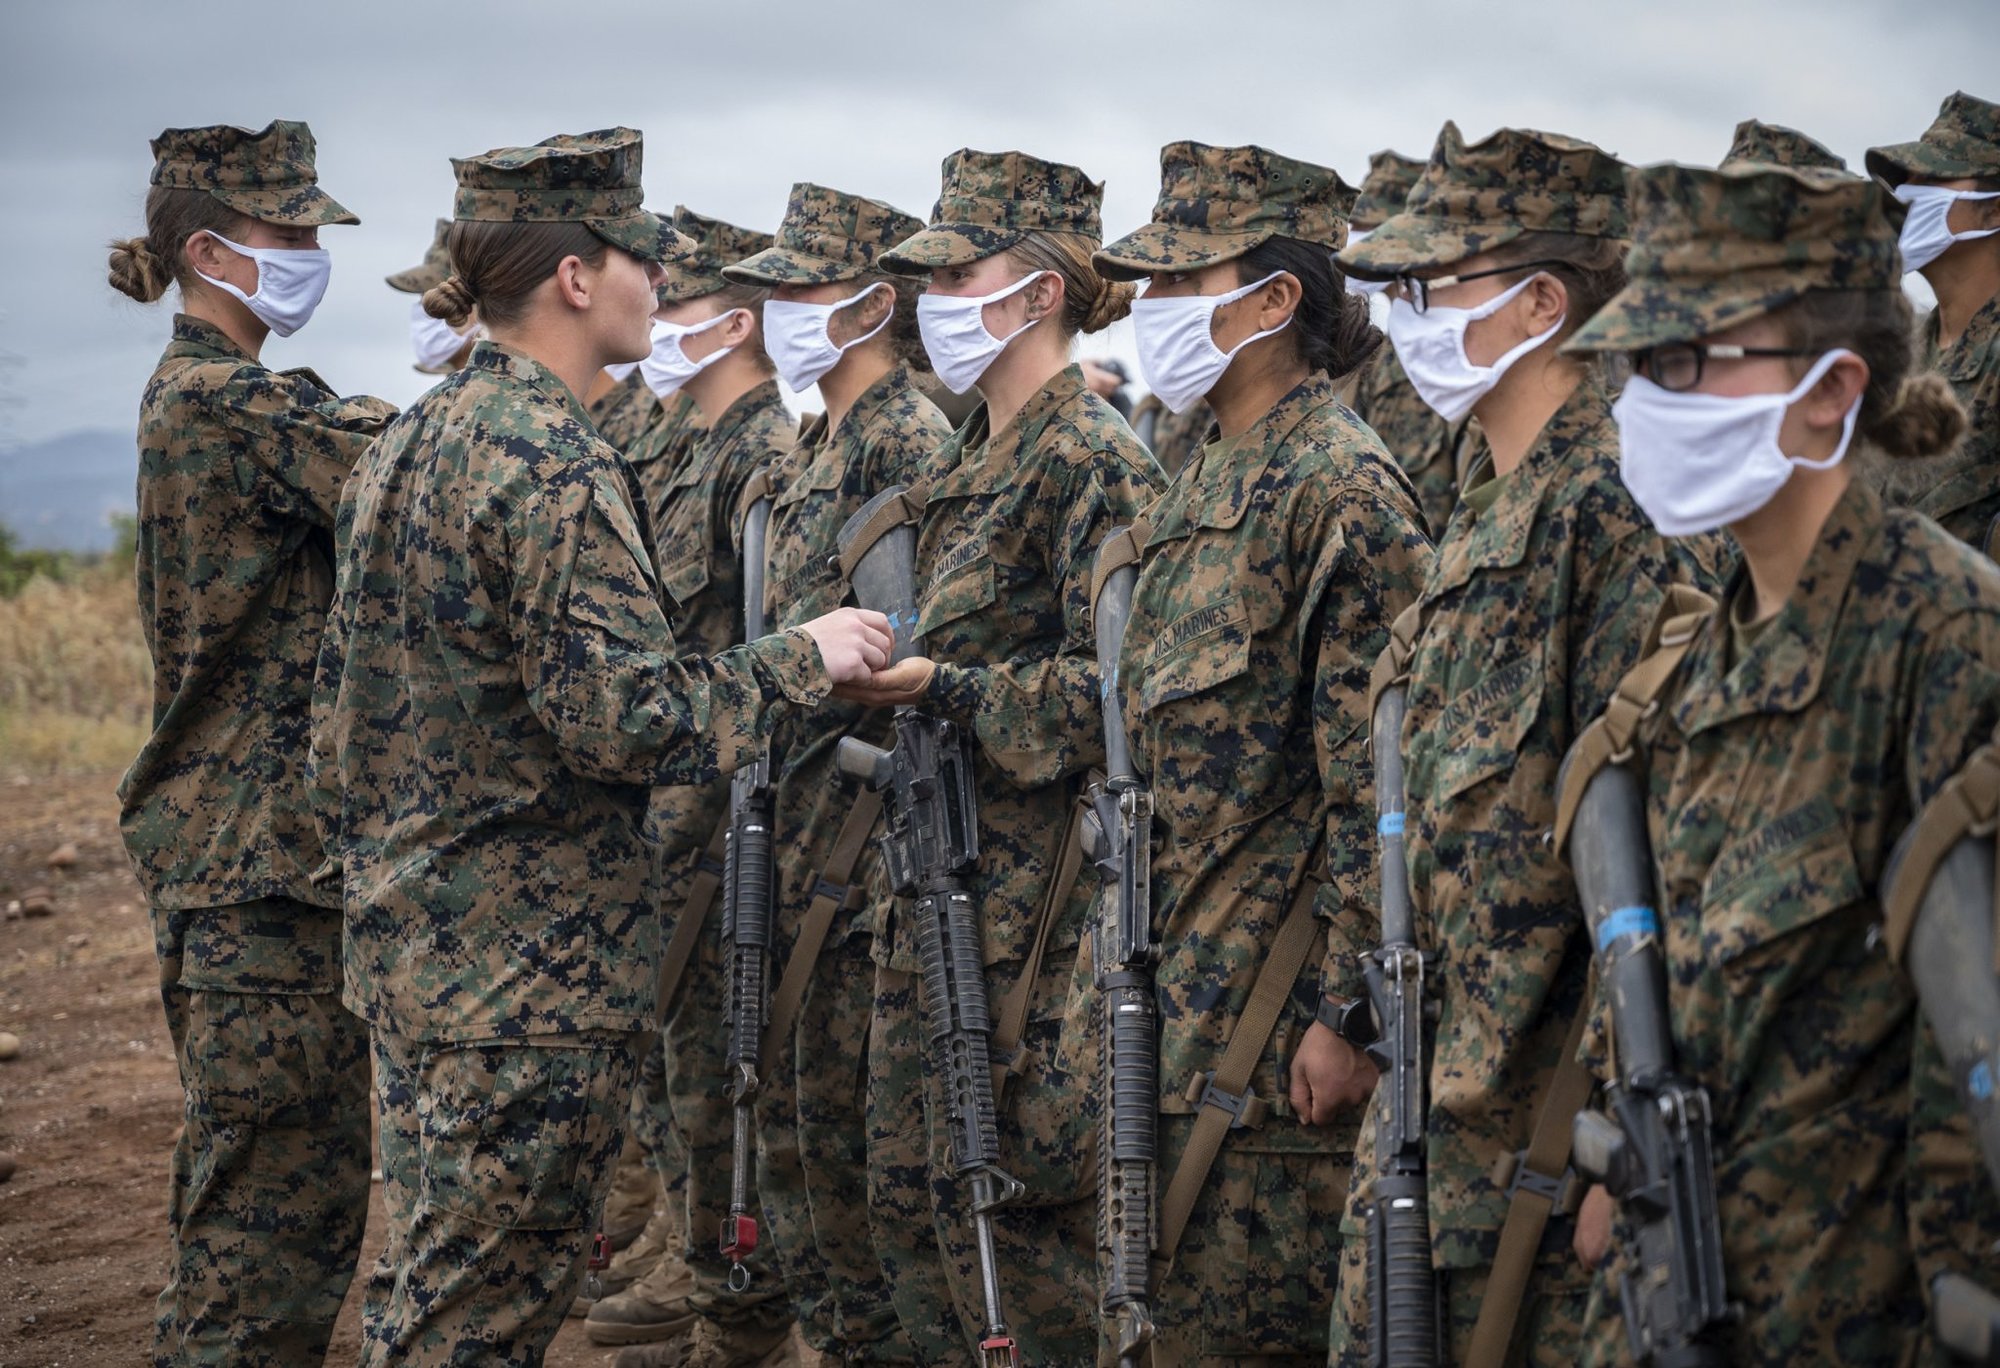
(1004, 559)
(812, 1125)
(1425, 445)
(240, 470)
(1776, 145)
(1783, 762)
(657, 453)
(432, 271)
(1273, 568)
(498, 690)
(1961, 490)
(1173, 438)
(624, 413)
(1542, 593)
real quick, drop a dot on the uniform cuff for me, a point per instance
(792, 659)
(954, 692)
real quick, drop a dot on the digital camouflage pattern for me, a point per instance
(1384, 190)
(240, 473)
(1695, 271)
(1004, 558)
(1776, 145)
(1537, 606)
(657, 453)
(496, 1157)
(268, 174)
(713, 245)
(625, 412)
(498, 691)
(587, 178)
(1424, 445)
(432, 271)
(812, 1123)
(1961, 490)
(827, 236)
(1962, 142)
(270, 1169)
(989, 200)
(1216, 203)
(1780, 774)
(1474, 197)
(1173, 438)
(1273, 568)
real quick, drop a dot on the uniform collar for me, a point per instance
(1215, 487)
(738, 415)
(1781, 671)
(815, 469)
(195, 337)
(511, 364)
(1966, 359)
(988, 460)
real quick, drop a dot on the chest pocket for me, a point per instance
(962, 584)
(1484, 727)
(1789, 874)
(1200, 651)
(686, 533)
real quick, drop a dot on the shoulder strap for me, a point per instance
(694, 914)
(1393, 665)
(1010, 1022)
(906, 508)
(1126, 546)
(1608, 739)
(1224, 1099)
(832, 892)
(1967, 805)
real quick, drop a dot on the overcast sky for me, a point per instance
(737, 100)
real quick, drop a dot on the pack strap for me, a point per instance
(905, 509)
(1123, 547)
(835, 890)
(1539, 1186)
(1011, 1021)
(1608, 739)
(1393, 665)
(694, 915)
(1226, 1097)
(1967, 805)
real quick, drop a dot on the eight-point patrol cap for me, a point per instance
(587, 178)
(827, 235)
(1776, 145)
(1474, 198)
(1385, 189)
(712, 245)
(990, 200)
(1216, 203)
(1715, 248)
(434, 271)
(1963, 142)
(268, 175)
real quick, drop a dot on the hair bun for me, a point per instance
(1112, 302)
(452, 301)
(136, 270)
(1925, 419)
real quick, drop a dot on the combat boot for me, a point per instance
(635, 1191)
(652, 1309)
(662, 1239)
(712, 1345)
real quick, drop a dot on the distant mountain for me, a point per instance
(58, 494)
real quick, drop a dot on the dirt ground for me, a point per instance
(91, 1106)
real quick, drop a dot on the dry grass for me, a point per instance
(75, 683)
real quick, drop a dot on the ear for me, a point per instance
(1278, 300)
(737, 330)
(1547, 302)
(1837, 392)
(205, 254)
(1045, 296)
(874, 306)
(574, 281)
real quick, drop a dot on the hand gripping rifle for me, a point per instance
(1402, 1287)
(1940, 919)
(930, 842)
(1117, 835)
(746, 926)
(1653, 1151)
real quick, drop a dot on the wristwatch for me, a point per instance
(1352, 1019)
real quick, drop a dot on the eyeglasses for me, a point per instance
(1417, 289)
(1677, 366)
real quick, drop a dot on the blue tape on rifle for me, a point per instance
(1980, 1081)
(1389, 824)
(1626, 921)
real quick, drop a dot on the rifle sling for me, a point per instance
(1011, 1020)
(694, 915)
(837, 874)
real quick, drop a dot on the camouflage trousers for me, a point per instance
(812, 1164)
(1047, 1243)
(496, 1159)
(270, 1172)
(1548, 1333)
(900, 1221)
(651, 1120)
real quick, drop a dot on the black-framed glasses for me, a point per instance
(1677, 366)
(1417, 289)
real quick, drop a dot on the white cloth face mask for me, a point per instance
(435, 341)
(799, 337)
(291, 281)
(1431, 347)
(1926, 233)
(1698, 462)
(1178, 357)
(955, 335)
(667, 368)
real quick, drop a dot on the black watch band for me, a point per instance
(1352, 1019)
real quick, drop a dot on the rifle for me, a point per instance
(1402, 1286)
(929, 843)
(1117, 835)
(1656, 1156)
(746, 926)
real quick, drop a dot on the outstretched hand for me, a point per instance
(853, 643)
(905, 682)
